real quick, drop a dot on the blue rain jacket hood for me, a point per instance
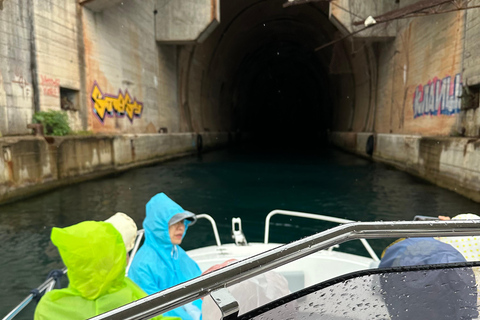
(420, 251)
(451, 292)
(159, 264)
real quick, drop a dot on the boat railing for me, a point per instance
(214, 283)
(214, 227)
(314, 216)
(44, 287)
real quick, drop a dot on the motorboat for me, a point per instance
(323, 282)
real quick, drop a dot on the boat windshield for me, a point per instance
(447, 291)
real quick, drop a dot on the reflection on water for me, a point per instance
(225, 184)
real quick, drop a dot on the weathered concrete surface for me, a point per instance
(185, 21)
(341, 17)
(449, 162)
(99, 5)
(471, 65)
(29, 165)
(344, 140)
(16, 90)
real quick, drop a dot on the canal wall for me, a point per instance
(449, 162)
(30, 165)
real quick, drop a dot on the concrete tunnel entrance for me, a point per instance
(260, 72)
(282, 89)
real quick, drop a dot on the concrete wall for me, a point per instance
(342, 17)
(41, 56)
(122, 63)
(471, 73)
(99, 5)
(58, 60)
(29, 165)
(411, 84)
(449, 162)
(186, 21)
(63, 55)
(16, 90)
(421, 76)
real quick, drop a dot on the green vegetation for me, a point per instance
(54, 123)
(83, 133)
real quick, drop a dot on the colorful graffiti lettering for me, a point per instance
(50, 86)
(438, 96)
(121, 104)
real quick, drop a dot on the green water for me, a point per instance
(241, 182)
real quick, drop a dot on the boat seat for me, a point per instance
(296, 280)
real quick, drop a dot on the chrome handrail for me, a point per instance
(214, 226)
(171, 298)
(365, 243)
(138, 240)
(46, 286)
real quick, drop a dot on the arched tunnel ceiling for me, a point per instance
(259, 68)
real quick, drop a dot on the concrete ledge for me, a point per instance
(30, 165)
(449, 162)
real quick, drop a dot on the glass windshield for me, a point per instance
(426, 292)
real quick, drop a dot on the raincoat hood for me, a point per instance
(420, 251)
(159, 264)
(95, 255)
(159, 210)
(433, 294)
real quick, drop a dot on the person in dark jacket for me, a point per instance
(441, 293)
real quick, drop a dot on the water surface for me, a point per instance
(241, 182)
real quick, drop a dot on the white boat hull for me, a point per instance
(302, 273)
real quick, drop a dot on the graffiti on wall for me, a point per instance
(438, 96)
(118, 105)
(23, 84)
(50, 86)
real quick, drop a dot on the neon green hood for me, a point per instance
(95, 256)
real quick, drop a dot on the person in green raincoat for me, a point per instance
(95, 255)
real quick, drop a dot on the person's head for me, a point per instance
(428, 294)
(176, 232)
(178, 224)
(127, 228)
(95, 256)
(166, 222)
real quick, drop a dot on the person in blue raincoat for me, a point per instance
(161, 263)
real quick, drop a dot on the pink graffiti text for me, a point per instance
(50, 86)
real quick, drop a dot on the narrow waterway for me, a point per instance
(241, 182)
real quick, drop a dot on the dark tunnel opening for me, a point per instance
(283, 94)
